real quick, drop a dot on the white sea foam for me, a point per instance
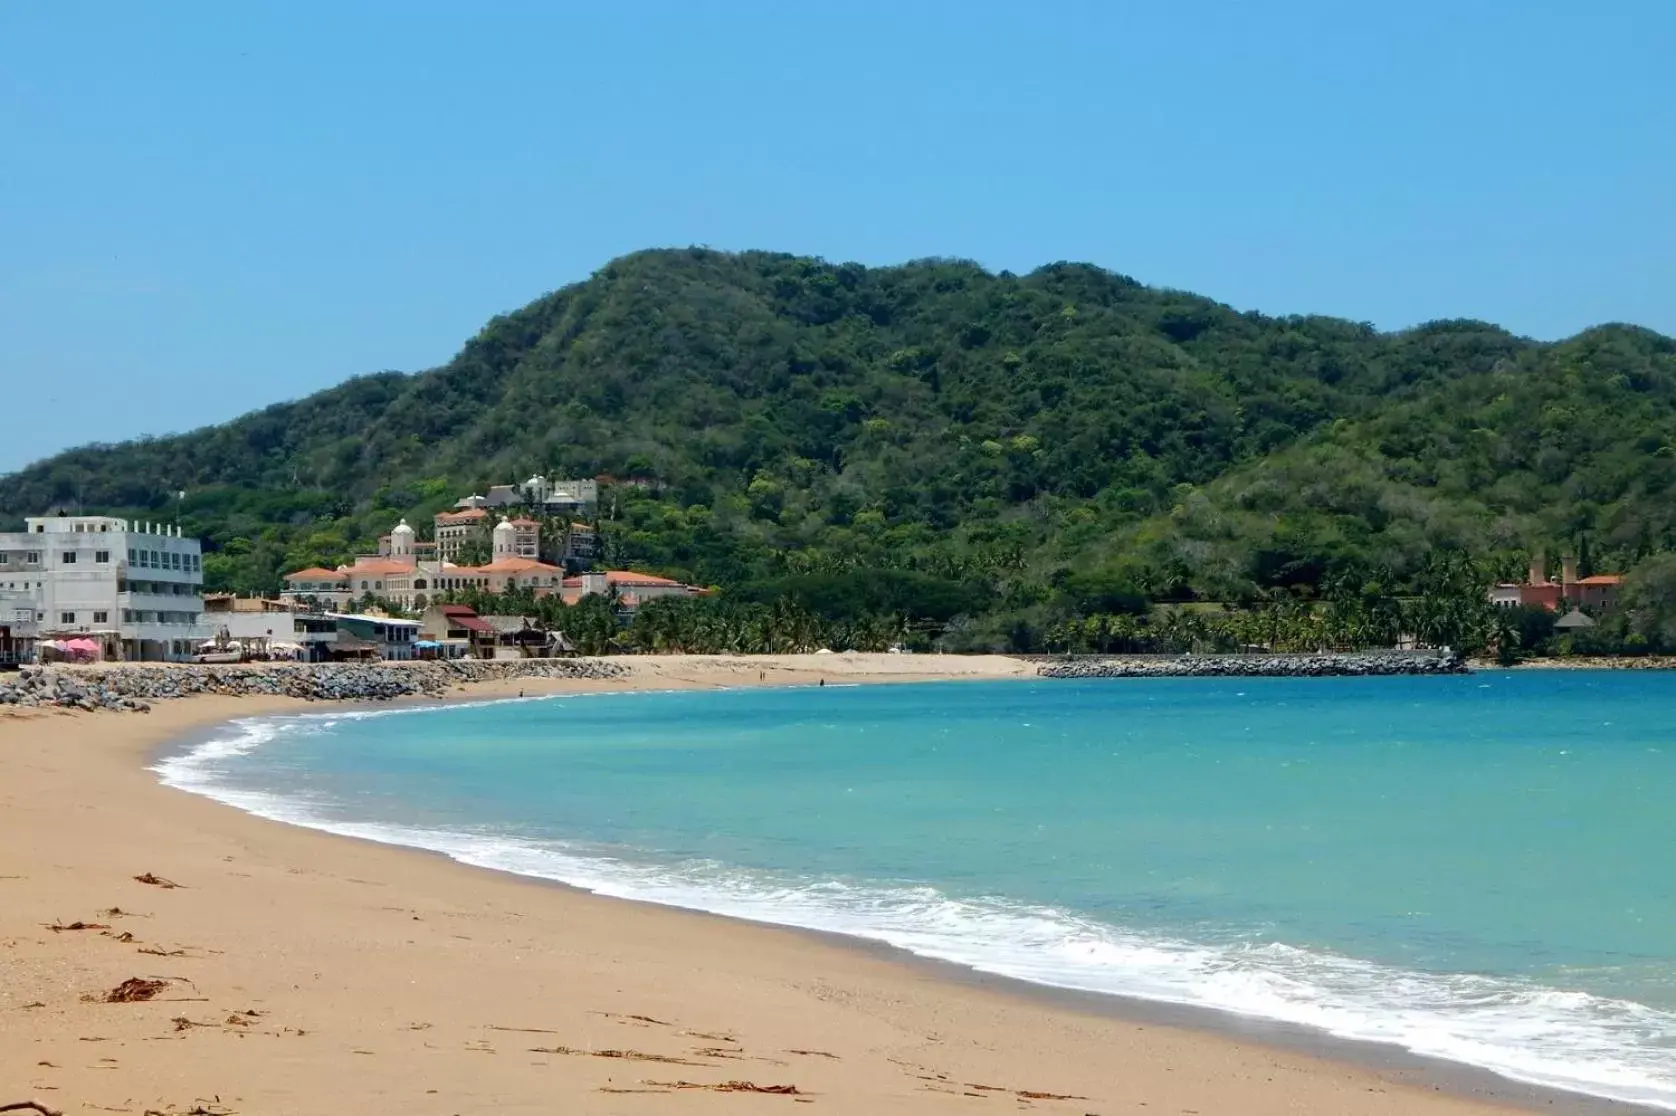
(1571, 1040)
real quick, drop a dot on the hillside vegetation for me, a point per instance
(1036, 447)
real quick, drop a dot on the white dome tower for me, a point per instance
(401, 541)
(506, 539)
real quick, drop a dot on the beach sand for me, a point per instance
(308, 973)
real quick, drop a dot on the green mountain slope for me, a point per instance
(1570, 446)
(1055, 437)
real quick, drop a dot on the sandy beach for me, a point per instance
(300, 972)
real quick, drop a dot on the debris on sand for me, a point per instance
(134, 990)
(732, 1087)
(155, 880)
(625, 1055)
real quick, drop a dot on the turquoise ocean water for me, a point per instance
(1479, 868)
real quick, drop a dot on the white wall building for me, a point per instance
(252, 619)
(136, 588)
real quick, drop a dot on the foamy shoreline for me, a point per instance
(293, 910)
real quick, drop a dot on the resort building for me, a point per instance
(1598, 593)
(455, 528)
(407, 578)
(318, 587)
(632, 588)
(554, 497)
(135, 590)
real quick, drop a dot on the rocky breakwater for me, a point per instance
(1306, 665)
(133, 687)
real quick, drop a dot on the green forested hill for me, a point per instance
(1057, 439)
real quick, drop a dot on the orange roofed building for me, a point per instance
(1598, 593)
(405, 574)
(632, 589)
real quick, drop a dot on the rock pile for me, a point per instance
(133, 687)
(1308, 665)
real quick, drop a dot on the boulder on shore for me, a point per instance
(1313, 664)
(131, 687)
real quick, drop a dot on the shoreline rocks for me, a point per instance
(132, 687)
(1304, 665)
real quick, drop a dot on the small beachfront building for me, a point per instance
(391, 638)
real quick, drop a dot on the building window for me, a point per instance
(32, 557)
(101, 618)
(66, 618)
(68, 557)
(102, 557)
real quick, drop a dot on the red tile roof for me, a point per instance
(511, 566)
(463, 516)
(629, 577)
(316, 573)
(524, 522)
(1602, 579)
(377, 566)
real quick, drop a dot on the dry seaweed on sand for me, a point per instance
(731, 1087)
(625, 1055)
(134, 990)
(155, 880)
(58, 927)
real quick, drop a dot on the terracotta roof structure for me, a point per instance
(512, 566)
(629, 577)
(1601, 579)
(316, 573)
(378, 566)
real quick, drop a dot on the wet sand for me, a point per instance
(303, 972)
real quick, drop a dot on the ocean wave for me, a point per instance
(1572, 1040)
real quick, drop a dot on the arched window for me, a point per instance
(419, 583)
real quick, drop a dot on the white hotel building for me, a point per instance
(137, 589)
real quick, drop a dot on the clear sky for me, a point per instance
(208, 206)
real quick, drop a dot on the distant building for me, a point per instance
(279, 627)
(455, 528)
(457, 632)
(526, 537)
(1599, 592)
(18, 627)
(553, 497)
(632, 589)
(320, 587)
(390, 638)
(135, 589)
(411, 580)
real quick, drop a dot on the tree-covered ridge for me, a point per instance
(1570, 446)
(1063, 442)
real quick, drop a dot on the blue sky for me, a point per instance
(207, 207)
